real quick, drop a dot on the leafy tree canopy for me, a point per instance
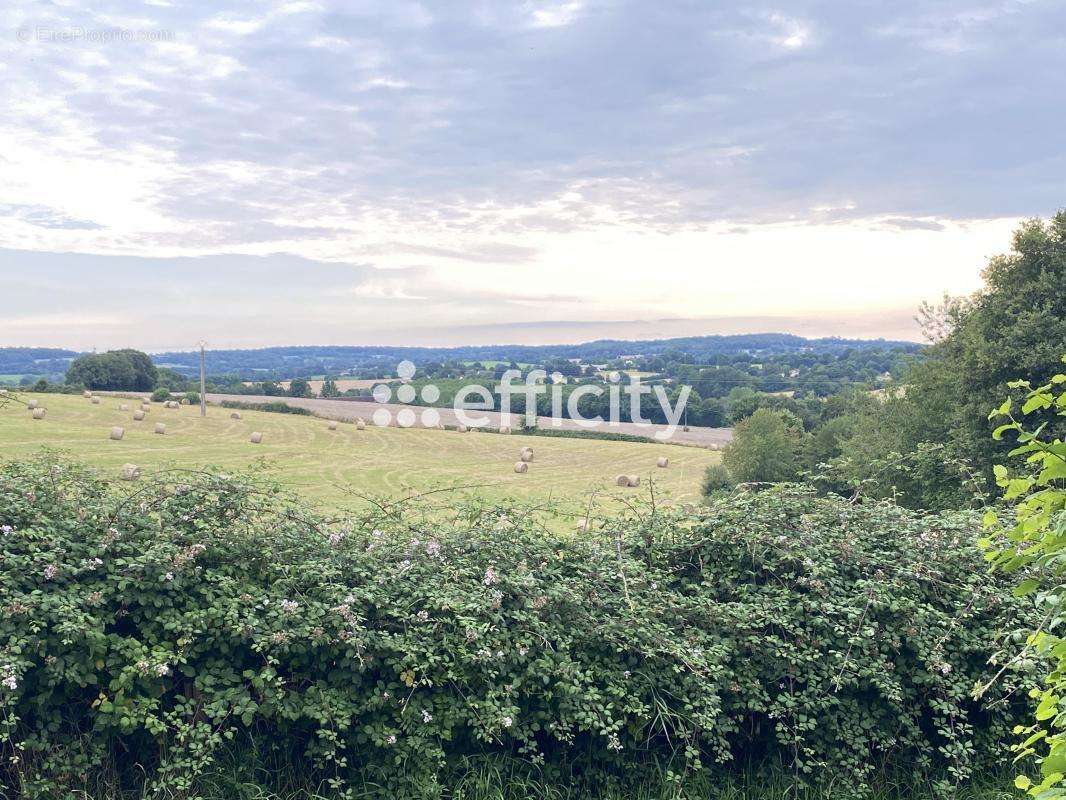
(115, 370)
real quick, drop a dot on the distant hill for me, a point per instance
(287, 362)
(283, 362)
(46, 362)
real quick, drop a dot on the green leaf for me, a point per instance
(1028, 586)
(997, 434)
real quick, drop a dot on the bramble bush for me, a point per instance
(145, 628)
(1033, 538)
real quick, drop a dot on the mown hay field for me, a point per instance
(334, 467)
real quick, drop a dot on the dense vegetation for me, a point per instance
(1035, 535)
(115, 370)
(926, 441)
(713, 365)
(286, 362)
(149, 630)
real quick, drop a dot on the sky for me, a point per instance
(269, 173)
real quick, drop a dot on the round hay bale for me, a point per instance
(505, 429)
(130, 472)
(32, 404)
(38, 413)
(171, 404)
(526, 454)
(257, 437)
(332, 425)
(160, 428)
(146, 399)
(184, 401)
(360, 424)
(123, 406)
(235, 415)
(663, 462)
(634, 480)
(3, 392)
(138, 415)
(621, 480)
(95, 401)
(461, 428)
(86, 394)
(146, 407)
(521, 467)
(117, 433)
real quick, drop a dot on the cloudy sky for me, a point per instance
(402, 172)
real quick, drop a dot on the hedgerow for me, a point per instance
(146, 627)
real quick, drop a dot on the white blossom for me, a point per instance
(289, 606)
(490, 577)
(426, 716)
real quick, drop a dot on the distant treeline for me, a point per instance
(288, 362)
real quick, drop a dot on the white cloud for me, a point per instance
(791, 33)
(556, 14)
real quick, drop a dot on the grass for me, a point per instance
(326, 466)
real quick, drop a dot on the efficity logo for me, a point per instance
(474, 398)
(406, 393)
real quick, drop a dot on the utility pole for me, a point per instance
(203, 382)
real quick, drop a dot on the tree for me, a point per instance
(1015, 325)
(763, 449)
(1035, 540)
(329, 388)
(171, 379)
(271, 389)
(115, 370)
(299, 387)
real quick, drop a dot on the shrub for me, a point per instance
(193, 398)
(716, 478)
(146, 629)
(161, 395)
(764, 448)
(1035, 535)
(275, 407)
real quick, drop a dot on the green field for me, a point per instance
(301, 453)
